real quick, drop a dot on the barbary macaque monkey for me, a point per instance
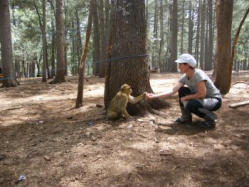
(118, 104)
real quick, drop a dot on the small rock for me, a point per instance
(164, 153)
(2, 157)
(90, 123)
(47, 158)
(130, 126)
(88, 134)
(93, 138)
(156, 140)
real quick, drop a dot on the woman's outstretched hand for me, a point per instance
(149, 95)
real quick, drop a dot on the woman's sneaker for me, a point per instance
(209, 117)
(181, 120)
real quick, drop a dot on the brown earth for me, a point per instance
(44, 138)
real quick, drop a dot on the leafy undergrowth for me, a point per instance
(49, 142)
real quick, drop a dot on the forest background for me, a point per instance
(173, 28)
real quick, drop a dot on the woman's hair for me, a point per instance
(189, 65)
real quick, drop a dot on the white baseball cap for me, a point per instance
(186, 58)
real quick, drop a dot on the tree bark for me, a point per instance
(182, 26)
(155, 37)
(102, 39)
(210, 37)
(53, 45)
(42, 23)
(79, 100)
(190, 29)
(161, 37)
(237, 37)
(128, 59)
(224, 12)
(60, 44)
(78, 40)
(198, 33)
(174, 30)
(6, 45)
(202, 37)
(96, 41)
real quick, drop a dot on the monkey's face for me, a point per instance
(125, 88)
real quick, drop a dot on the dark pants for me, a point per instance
(211, 104)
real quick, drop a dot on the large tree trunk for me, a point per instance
(128, 61)
(6, 45)
(224, 12)
(60, 44)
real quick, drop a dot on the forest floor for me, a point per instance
(45, 141)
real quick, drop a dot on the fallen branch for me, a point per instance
(242, 82)
(235, 105)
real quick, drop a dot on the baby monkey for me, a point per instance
(117, 107)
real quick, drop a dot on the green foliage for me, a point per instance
(27, 39)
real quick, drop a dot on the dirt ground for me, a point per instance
(48, 142)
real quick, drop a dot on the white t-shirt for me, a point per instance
(199, 76)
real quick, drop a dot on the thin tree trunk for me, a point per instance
(203, 19)
(42, 23)
(210, 37)
(161, 36)
(53, 49)
(73, 48)
(206, 48)
(182, 26)
(96, 40)
(53, 45)
(78, 41)
(174, 30)
(235, 41)
(198, 32)
(190, 29)
(102, 39)
(79, 100)
(107, 30)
